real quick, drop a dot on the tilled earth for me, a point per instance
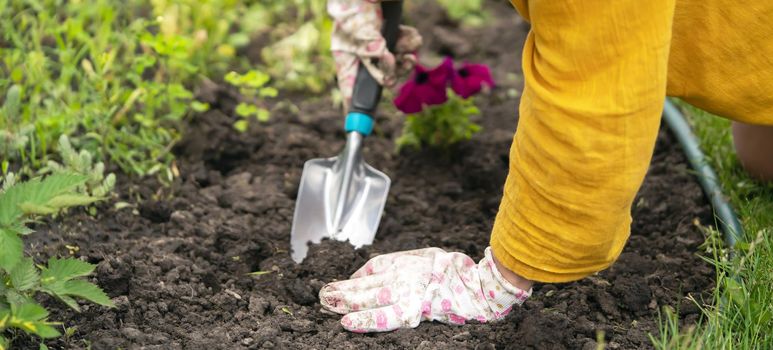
(177, 263)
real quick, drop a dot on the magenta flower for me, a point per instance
(470, 78)
(425, 87)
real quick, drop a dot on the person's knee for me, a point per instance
(754, 147)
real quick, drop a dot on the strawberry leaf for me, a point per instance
(88, 291)
(24, 275)
(65, 269)
(11, 249)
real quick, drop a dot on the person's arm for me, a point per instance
(595, 83)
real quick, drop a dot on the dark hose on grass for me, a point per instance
(728, 221)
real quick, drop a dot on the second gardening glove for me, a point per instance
(400, 290)
(357, 39)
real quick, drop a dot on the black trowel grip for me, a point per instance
(367, 91)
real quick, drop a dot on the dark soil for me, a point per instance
(177, 263)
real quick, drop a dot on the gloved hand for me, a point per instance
(357, 38)
(399, 290)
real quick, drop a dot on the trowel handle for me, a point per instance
(367, 91)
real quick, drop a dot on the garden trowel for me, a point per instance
(343, 197)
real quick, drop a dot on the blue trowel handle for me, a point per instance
(367, 91)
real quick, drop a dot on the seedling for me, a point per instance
(97, 184)
(20, 277)
(252, 86)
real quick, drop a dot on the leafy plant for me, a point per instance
(116, 78)
(20, 278)
(437, 116)
(97, 184)
(440, 126)
(252, 86)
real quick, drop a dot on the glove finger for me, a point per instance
(409, 40)
(383, 319)
(382, 263)
(343, 302)
(359, 283)
(406, 62)
(388, 66)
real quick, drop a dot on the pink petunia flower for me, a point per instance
(470, 78)
(425, 87)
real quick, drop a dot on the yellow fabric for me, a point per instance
(596, 74)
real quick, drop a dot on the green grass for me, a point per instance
(740, 316)
(118, 77)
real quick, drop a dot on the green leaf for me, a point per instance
(13, 296)
(70, 200)
(42, 347)
(268, 92)
(69, 302)
(4, 343)
(246, 110)
(45, 331)
(65, 269)
(37, 209)
(11, 249)
(88, 291)
(232, 78)
(736, 291)
(52, 186)
(57, 279)
(24, 275)
(255, 79)
(199, 106)
(5, 316)
(262, 114)
(20, 229)
(34, 194)
(29, 312)
(12, 102)
(241, 125)
(30, 317)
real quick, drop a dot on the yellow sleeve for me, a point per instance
(595, 83)
(722, 58)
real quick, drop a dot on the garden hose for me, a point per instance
(728, 221)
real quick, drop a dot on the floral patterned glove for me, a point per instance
(357, 38)
(399, 290)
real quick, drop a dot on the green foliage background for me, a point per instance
(117, 77)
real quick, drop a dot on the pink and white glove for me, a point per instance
(399, 290)
(357, 38)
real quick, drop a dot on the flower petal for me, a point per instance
(408, 100)
(471, 79)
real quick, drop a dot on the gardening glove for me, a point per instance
(399, 290)
(357, 38)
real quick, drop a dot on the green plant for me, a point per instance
(739, 316)
(20, 278)
(97, 184)
(252, 87)
(115, 77)
(440, 126)
(469, 12)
